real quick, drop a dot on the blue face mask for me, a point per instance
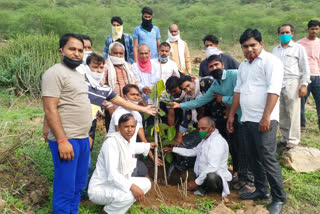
(163, 59)
(285, 38)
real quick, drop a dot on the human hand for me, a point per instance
(90, 141)
(179, 139)
(159, 163)
(174, 105)
(45, 133)
(153, 145)
(191, 185)
(230, 123)
(167, 149)
(150, 110)
(66, 151)
(264, 124)
(303, 91)
(146, 90)
(218, 97)
(137, 193)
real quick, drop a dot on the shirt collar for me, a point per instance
(291, 44)
(261, 56)
(224, 75)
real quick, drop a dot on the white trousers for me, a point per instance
(116, 201)
(290, 107)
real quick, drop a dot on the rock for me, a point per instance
(36, 196)
(301, 159)
(259, 209)
(221, 209)
(2, 204)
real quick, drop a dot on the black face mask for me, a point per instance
(217, 74)
(147, 24)
(71, 63)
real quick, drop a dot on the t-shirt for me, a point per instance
(116, 116)
(313, 51)
(74, 108)
(148, 38)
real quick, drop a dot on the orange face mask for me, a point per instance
(251, 56)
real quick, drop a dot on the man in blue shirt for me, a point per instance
(147, 34)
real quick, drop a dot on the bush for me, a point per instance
(25, 58)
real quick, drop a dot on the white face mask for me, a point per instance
(212, 51)
(85, 56)
(116, 60)
(173, 38)
(97, 76)
(135, 102)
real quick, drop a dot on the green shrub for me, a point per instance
(24, 59)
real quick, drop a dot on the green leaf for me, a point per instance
(161, 113)
(167, 142)
(152, 93)
(163, 126)
(169, 157)
(151, 132)
(171, 132)
(160, 88)
(146, 116)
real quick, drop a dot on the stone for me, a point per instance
(221, 209)
(259, 209)
(2, 204)
(301, 159)
(36, 196)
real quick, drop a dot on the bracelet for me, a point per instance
(64, 140)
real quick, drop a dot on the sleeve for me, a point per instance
(51, 84)
(158, 36)
(201, 69)
(116, 116)
(142, 148)
(138, 77)
(273, 69)
(214, 156)
(111, 95)
(206, 98)
(187, 58)
(136, 33)
(239, 82)
(111, 161)
(185, 152)
(106, 48)
(175, 70)
(228, 99)
(304, 67)
(130, 50)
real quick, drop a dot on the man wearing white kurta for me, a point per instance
(211, 154)
(111, 184)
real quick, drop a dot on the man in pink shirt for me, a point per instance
(312, 46)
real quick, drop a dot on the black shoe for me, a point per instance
(276, 207)
(256, 195)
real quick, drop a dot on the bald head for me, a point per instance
(143, 51)
(174, 30)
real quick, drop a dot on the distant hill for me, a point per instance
(225, 18)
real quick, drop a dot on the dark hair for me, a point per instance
(250, 33)
(184, 78)
(65, 38)
(290, 25)
(313, 23)
(125, 117)
(147, 10)
(211, 38)
(85, 37)
(93, 57)
(116, 19)
(127, 88)
(214, 57)
(172, 83)
(166, 44)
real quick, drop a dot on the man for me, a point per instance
(312, 47)
(112, 184)
(211, 44)
(87, 50)
(147, 34)
(145, 72)
(211, 154)
(294, 86)
(179, 51)
(257, 91)
(117, 35)
(222, 91)
(68, 115)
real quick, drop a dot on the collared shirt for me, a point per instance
(148, 38)
(313, 51)
(295, 62)
(255, 81)
(166, 70)
(107, 172)
(128, 41)
(211, 156)
(225, 88)
(174, 56)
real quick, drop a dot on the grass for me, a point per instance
(21, 113)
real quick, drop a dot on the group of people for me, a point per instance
(236, 108)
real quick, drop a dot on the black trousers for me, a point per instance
(262, 148)
(212, 183)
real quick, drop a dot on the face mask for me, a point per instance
(146, 24)
(217, 74)
(212, 51)
(85, 56)
(203, 134)
(135, 102)
(116, 60)
(117, 32)
(71, 63)
(97, 76)
(285, 38)
(163, 59)
(173, 38)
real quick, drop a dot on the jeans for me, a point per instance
(314, 88)
(69, 176)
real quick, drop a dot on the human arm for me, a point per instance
(201, 101)
(135, 49)
(235, 105)
(130, 50)
(304, 70)
(171, 117)
(185, 152)
(45, 129)
(129, 105)
(106, 47)
(264, 124)
(232, 76)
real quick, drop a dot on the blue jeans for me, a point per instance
(69, 176)
(314, 88)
